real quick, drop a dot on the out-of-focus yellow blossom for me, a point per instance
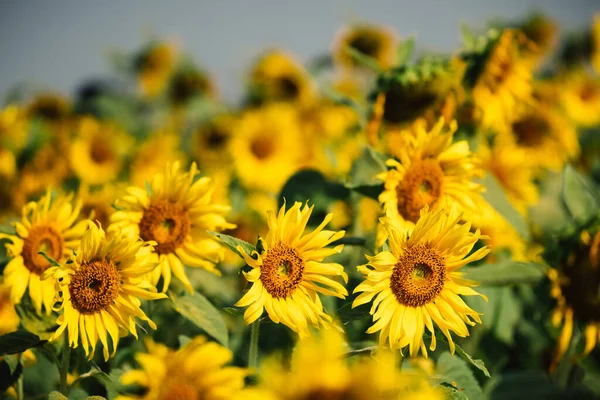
(14, 127)
(210, 143)
(97, 202)
(154, 67)
(377, 42)
(579, 94)
(97, 152)
(189, 82)
(52, 108)
(151, 156)
(9, 319)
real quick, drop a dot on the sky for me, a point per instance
(58, 44)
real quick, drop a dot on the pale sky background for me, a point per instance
(61, 42)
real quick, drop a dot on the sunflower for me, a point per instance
(9, 319)
(417, 282)
(100, 288)
(503, 239)
(377, 42)
(175, 211)
(96, 203)
(542, 33)
(49, 107)
(430, 167)
(189, 82)
(198, 370)
(48, 226)
(288, 273)
(98, 151)
(154, 67)
(267, 147)
(150, 158)
(318, 369)
(277, 77)
(579, 96)
(8, 164)
(504, 81)
(575, 288)
(211, 141)
(14, 128)
(514, 169)
(548, 139)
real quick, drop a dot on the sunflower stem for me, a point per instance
(253, 352)
(20, 381)
(64, 365)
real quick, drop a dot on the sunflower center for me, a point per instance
(407, 103)
(419, 276)
(181, 391)
(288, 88)
(101, 151)
(588, 92)
(216, 138)
(94, 286)
(262, 147)
(41, 238)
(328, 394)
(366, 44)
(166, 223)
(531, 131)
(281, 271)
(422, 185)
(581, 289)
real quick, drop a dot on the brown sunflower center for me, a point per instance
(287, 88)
(41, 238)
(216, 138)
(324, 393)
(367, 44)
(262, 147)
(531, 131)
(94, 286)
(281, 271)
(101, 151)
(588, 92)
(419, 276)
(405, 103)
(181, 391)
(422, 185)
(167, 223)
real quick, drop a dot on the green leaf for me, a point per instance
(461, 352)
(51, 260)
(495, 195)
(579, 195)
(506, 273)
(236, 312)
(56, 396)
(452, 393)
(405, 51)
(363, 59)
(459, 375)
(311, 185)
(362, 176)
(41, 325)
(198, 310)
(521, 385)
(94, 372)
(12, 362)
(350, 241)
(233, 242)
(9, 374)
(348, 314)
(18, 342)
(468, 37)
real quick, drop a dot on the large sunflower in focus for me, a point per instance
(430, 167)
(47, 226)
(289, 272)
(97, 153)
(197, 371)
(374, 41)
(417, 282)
(267, 147)
(175, 211)
(504, 81)
(99, 291)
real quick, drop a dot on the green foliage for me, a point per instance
(198, 310)
(362, 178)
(363, 59)
(505, 273)
(495, 195)
(405, 51)
(457, 372)
(18, 342)
(580, 196)
(233, 242)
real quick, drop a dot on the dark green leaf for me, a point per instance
(521, 385)
(452, 393)
(350, 241)
(18, 342)
(233, 311)
(405, 51)
(311, 185)
(198, 310)
(579, 195)
(461, 352)
(233, 242)
(458, 373)
(51, 260)
(505, 273)
(363, 173)
(12, 362)
(9, 374)
(348, 314)
(495, 195)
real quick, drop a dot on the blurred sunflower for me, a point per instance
(47, 226)
(175, 211)
(8, 165)
(504, 81)
(503, 239)
(579, 96)
(9, 319)
(318, 370)
(197, 371)
(267, 147)
(52, 108)
(99, 291)
(430, 167)
(98, 151)
(514, 169)
(14, 128)
(154, 66)
(377, 42)
(276, 77)
(96, 202)
(187, 83)
(417, 282)
(152, 154)
(288, 273)
(575, 287)
(210, 143)
(547, 137)
(542, 33)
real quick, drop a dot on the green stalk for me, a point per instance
(253, 353)
(20, 381)
(64, 365)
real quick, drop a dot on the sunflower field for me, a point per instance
(379, 222)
